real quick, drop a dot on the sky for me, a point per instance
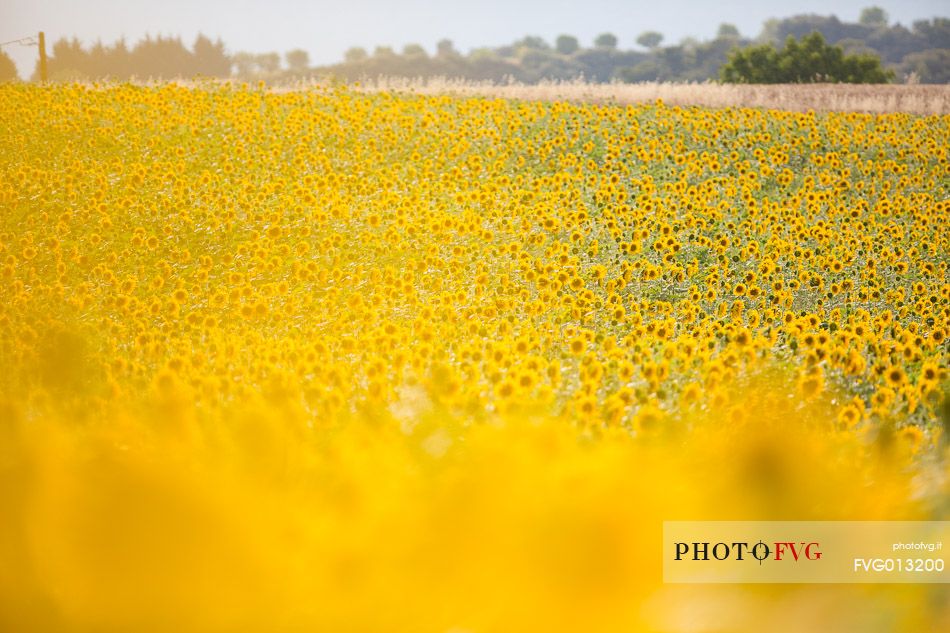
(326, 29)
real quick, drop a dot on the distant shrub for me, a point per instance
(810, 60)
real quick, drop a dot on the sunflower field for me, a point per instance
(330, 360)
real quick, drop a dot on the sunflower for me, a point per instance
(895, 377)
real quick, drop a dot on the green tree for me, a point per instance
(935, 33)
(532, 42)
(931, 66)
(874, 17)
(727, 30)
(649, 39)
(807, 61)
(606, 40)
(566, 44)
(7, 68)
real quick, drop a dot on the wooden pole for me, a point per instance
(42, 57)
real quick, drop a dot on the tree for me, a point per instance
(120, 61)
(875, 17)
(445, 48)
(798, 26)
(414, 51)
(606, 40)
(931, 66)
(355, 54)
(7, 68)
(807, 61)
(268, 63)
(298, 60)
(936, 32)
(68, 61)
(384, 52)
(211, 60)
(604, 64)
(727, 31)
(245, 64)
(649, 39)
(532, 42)
(162, 57)
(566, 44)
(97, 61)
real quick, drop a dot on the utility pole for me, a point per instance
(42, 57)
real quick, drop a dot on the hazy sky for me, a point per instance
(327, 29)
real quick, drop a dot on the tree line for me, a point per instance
(813, 48)
(868, 51)
(158, 57)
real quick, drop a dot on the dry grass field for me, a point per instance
(912, 99)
